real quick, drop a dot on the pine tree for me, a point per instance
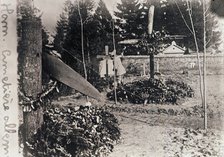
(103, 20)
(45, 39)
(129, 23)
(129, 15)
(62, 27)
(73, 37)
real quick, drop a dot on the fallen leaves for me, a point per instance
(195, 143)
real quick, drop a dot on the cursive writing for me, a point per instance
(5, 10)
(7, 21)
(8, 128)
(7, 99)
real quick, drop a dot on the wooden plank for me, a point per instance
(150, 19)
(129, 41)
(57, 69)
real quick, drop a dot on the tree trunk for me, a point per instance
(30, 67)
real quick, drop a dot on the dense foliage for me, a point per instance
(97, 28)
(152, 91)
(62, 27)
(130, 24)
(103, 20)
(170, 16)
(79, 131)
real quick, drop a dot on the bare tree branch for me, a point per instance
(206, 15)
(212, 33)
(87, 19)
(82, 42)
(183, 17)
(207, 10)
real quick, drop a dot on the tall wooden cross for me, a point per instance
(149, 31)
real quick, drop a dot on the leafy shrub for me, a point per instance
(75, 132)
(153, 91)
(102, 83)
(134, 69)
(180, 88)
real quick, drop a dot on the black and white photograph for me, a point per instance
(112, 78)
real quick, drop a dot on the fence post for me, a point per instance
(157, 66)
(144, 73)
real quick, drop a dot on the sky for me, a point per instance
(51, 10)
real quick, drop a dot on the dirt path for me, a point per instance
(153, 135)
(140, 139)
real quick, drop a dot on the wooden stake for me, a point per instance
(82, 41)
(197, 50)
(115, 73)
(106, 53)
(157, 66)
(204, 71)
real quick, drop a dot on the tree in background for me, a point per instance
(103, 20)
(97, 28)
(78, 43)
(128, 13)
(73, 37)
(62, 27)
(82, 33)
(172, 17)
(45, 39)
(212, 33)
(129, 23)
